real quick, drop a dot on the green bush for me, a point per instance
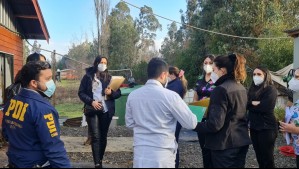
(279, 113)
(140, 72)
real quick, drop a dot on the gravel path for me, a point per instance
(190, 152)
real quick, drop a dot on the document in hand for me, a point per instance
(116, 82)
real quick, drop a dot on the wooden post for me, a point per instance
(54, 74)
(295, 34)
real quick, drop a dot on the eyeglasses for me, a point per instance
(257, 74)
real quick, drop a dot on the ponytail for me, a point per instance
(235, 65)
(240, 73)
(180, 74)
(185, 84)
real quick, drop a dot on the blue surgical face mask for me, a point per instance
(51, 87)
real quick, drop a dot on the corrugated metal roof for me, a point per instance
(29, 16)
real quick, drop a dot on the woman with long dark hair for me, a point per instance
(262, 98)
(226, 126)
(99, 107)
(203, 90)
(177, 83)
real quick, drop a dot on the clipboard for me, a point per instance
(198, 111)
(116, 82)
(202, 103)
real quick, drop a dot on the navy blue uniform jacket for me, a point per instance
(31, 126)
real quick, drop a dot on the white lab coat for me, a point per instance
(153, 111)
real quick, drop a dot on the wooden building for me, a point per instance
(19, 20)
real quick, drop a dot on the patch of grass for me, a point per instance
(70, 110)
(69, 84)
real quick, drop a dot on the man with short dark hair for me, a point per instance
(153, 111)
(31, 124)
(15, 88)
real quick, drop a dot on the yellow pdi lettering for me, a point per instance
(51, 123)
(18, 110)
(51, 126)
(11, 107)
(49, 117)
(24, 110)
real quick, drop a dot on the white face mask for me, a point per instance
(294, 85)
(258, 80)
(102, 67)
(214, 77)
(208, 69)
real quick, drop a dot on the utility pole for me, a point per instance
(54, 74)
(295, 34)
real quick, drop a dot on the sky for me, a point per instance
(72, 21)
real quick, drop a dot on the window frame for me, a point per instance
(6, 56)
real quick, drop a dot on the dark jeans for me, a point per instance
(177, 136)
(263, 143)
(297, 161)
(98, 126)
(229, 158)
(206, 153)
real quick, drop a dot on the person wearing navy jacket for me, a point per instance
(99, 107)
(30, 122)
(177, 83)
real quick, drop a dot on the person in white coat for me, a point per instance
(153, 112)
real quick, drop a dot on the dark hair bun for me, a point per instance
(233, 57)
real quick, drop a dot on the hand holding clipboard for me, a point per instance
(114, 85)
(116, 82)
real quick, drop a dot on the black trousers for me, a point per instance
(177, 136)
(263, 142)
(98, 127)
(229, 158)
(297, 161)
(206, 153)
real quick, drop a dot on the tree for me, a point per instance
(36, 48)
(123, 38)
(241, 18)
(147, 24)
(102, 11)
(81, 52)
(170, 45)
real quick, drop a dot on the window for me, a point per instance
(6, 73)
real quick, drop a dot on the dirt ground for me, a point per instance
(121, 156)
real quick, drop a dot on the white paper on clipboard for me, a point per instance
(116, 82)
(288, 117)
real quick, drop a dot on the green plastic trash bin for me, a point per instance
(120, 105)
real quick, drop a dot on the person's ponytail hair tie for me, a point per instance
(182, 73)
(235, 65)
(232, 57)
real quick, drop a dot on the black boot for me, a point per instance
(100, 165)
